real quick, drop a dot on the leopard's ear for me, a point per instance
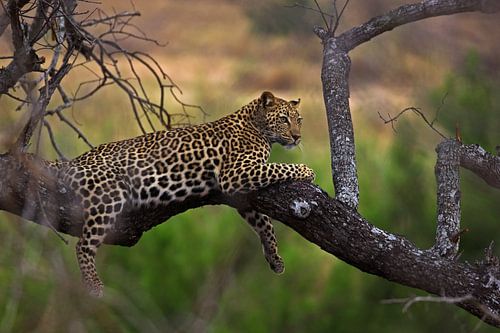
(267, 99)
(295, 102)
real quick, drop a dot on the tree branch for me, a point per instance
(485, 165)
(97, 37)
(38, 112)
(410, 13)
(408, 302)
(390, 119)
(335, 78)
(327, 222)
(344, 233)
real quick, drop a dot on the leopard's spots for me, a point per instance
(161, 168)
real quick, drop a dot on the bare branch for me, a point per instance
(438, 110)
(323, 16)
(330, 25)
(338, 17)
(73, 38)
(53, 141)
(39, 108)
(417, 111)
(25, 59)
(316, 10)
(80, 134)
(108, 19)
(106, 57)
(411, 13)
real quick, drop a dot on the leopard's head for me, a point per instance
(279, 120)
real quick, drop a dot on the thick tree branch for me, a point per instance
(410, 13)
(335, 78)
(451, 155)
(330, 224)
(344, 233)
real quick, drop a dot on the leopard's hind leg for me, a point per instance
(103, 204)
(262, 225)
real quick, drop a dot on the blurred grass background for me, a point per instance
(203, 271)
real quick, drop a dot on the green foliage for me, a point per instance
(472, 102)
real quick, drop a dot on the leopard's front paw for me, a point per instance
(306, 173)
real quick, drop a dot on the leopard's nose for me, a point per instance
(296, 137)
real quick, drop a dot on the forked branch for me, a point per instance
(97, 37)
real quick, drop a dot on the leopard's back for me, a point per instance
(160, 167)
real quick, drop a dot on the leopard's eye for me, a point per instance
(299, 120)
(283, 119)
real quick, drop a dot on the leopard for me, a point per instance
(162, 168)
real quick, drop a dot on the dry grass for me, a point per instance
(220, 63)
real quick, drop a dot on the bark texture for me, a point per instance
(448, 198)
(482, 163)
(335, 78)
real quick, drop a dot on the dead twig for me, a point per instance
(417, 111)
(53, 141)
(334, 19)
(408, 302)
